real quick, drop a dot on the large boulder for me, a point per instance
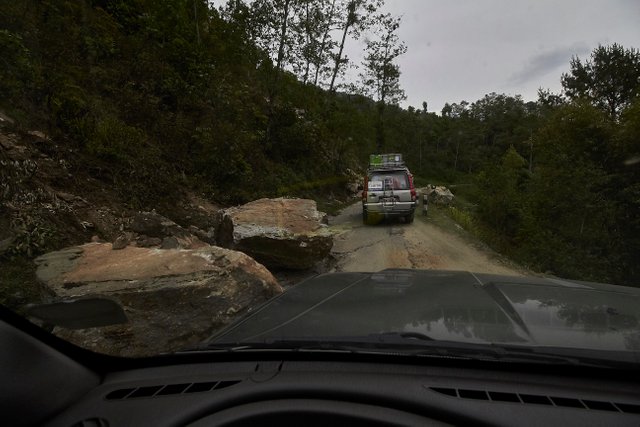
(174, 299)
(280, 233)
(151, 226)
(438, 195)
(150, 229)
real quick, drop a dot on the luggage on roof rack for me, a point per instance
(389, 160)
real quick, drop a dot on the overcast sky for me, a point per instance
(464, 49)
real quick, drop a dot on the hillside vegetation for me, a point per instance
(151, 100)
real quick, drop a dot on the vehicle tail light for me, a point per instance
(365, 187)
(414, 196)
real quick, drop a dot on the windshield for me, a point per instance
(185, 175)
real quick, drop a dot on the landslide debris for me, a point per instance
(174, 299)
(280, 233)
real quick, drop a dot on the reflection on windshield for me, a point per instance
(451, 306)
(470, 325)
(551, 319)
(610, 323)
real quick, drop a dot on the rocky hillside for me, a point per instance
(55, 197)
(52, 196)
(66, 234)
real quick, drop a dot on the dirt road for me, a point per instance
(394, 244)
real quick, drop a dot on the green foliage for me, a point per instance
(31, 235)
(463, 218)
(311, 185)
(381, 76)
(565, 215)
(116, 141)
(17, 71)
(501, 186)
(610, 79)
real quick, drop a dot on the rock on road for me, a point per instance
(394, 244)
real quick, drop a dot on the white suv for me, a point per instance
(388, 190)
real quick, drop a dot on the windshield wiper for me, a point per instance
(369, 341)
(403, 336)
(418, 344)
(388, 344)
(421, 345)
(289, 343)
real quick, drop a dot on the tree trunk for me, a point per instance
(324, 43)
(195, 18)
(351, 19)
(283, 33)
(307, 33)
(339, 58)
(380, 128)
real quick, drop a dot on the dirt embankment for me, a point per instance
(422, 244)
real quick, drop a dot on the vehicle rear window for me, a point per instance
(388, 180)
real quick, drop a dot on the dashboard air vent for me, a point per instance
(168, 389)
(566, 402)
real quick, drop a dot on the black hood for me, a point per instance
(452, 306)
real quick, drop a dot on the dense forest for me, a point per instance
(248, 100)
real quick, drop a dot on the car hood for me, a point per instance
(449, 305)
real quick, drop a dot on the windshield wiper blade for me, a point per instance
(372, 341)
(280, 344)
(403, 336)
(578, 356)
(421, 345)
(390, 343)
(517, 354)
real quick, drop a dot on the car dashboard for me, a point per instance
(48, 382)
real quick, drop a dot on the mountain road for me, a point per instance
(421, 244)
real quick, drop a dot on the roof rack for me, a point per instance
(385, 161)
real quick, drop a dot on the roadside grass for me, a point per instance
(463, 218)
(459, 219)
(461, 211)
(459, 223)
(439, 216)
(423, 181)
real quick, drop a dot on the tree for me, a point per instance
(502, 121)
(570, 224)
(610, 80)
(327, 44)
(356, 19)
(626, 147)
(548, 99)
(273, 19)
(501, 185)
(312, 27)
(381, 76)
